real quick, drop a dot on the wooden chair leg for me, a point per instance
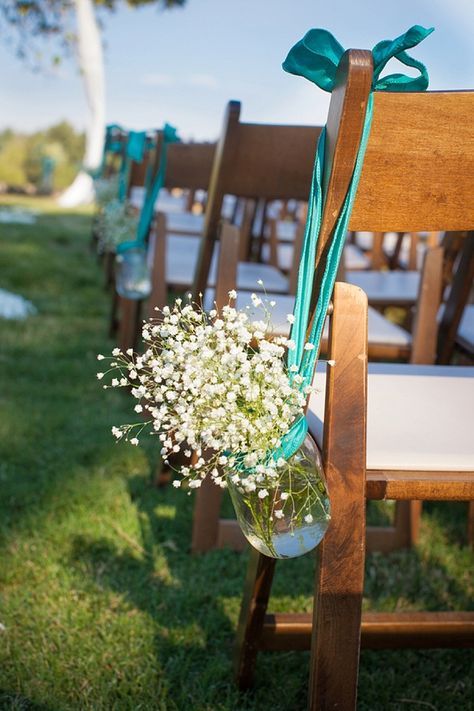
(407, 523)
(470, 524)
(113, 318)
(257, 589)
(337, 612)
(129, 323)
(109, 270)
(206, 517)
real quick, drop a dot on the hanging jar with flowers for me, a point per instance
(216, 387)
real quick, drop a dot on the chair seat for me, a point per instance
(465, 335)
(420, 417)
(181, 259)
(365, 241)
(184, 222)
(354, 257)
(381, 330)
(166, 202)
(387, 288)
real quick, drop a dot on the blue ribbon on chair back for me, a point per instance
(316, 57)
(134, 151)
(169, 135)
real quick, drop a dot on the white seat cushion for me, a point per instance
(185, 222)
(181, 259)
(387, 288)
(420, 417)
(465, 335)
(381, 330)
(165, 203)
(285, 255)
(354, 258)
(365, 241)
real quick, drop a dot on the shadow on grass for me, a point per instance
(10, 701)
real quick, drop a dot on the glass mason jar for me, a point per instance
(293, 516)
(133, 274)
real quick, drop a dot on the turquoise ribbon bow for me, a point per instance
(316, 57)
(135, 148)
(169, 135)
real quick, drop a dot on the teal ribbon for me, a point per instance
(316, 57)
(110, 146)
(169, 135)
(134, 151)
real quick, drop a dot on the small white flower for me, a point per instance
(290, 318)
(176, 483)
(134, 441)
(116, 352)
(262, 493)
(259, 282)
(130, 351)
(232, 294)
(308, 518)
(100, 376)
(278, 513)
(100, 356)
(284, 495)
(138, 408)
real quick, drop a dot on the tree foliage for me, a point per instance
(22, 155)
(42, 31)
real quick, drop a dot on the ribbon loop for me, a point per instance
(317, 55)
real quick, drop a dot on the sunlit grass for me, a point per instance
(104, 607)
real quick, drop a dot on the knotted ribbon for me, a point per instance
(316, 57)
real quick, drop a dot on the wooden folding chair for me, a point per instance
(188, 167)
(256, 161)
(436, 199)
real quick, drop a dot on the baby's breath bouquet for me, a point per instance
(106, 189)
(214, 387)
(117, 223)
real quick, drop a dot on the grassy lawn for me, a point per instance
(102, 604)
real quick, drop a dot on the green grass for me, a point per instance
(104, 607)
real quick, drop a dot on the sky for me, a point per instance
(183, 65)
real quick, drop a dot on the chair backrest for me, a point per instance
(255, 161)
(418, 172)
(189, 165)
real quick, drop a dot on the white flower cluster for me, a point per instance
(215, 387)
(106, 189)
(118, 223)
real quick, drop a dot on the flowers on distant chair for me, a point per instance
(117, 223)
(215, 387)
(106, 190)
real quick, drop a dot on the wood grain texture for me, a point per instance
(379, 630)
(340, 571)
(418, 171)
(254, 161)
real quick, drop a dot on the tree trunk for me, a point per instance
(91, 65)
